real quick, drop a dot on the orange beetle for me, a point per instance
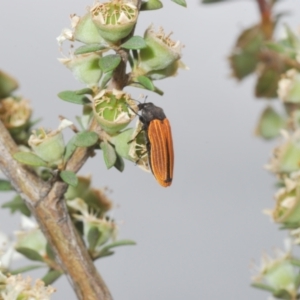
(158, 141)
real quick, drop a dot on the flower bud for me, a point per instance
(130, 144)
(98, 200)
(49, 146)
(286, 157)
(31, 237)
(115, 19)
(111, 110)
(279, 274)
(169, 71)
(287, 209)
(15, 113)
(16, 287)
(85, 67)
(160, 53)
(85, 30)
(106, 228)
(289, 87)
(80, 190)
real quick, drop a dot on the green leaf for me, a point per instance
(108, 253)
(146, 83)
(25, 269)
(276, 47)
(264, 287)
(297, 280)
(93, 237)
(86, 139)
(70, 148)
(89, 48)
(119, 165)
(295, 262)
(73, 97)
(106, 78)
(51, 276)
(135, 43)
(109, 62)
(51, 255)
(158, 91)
(84, 91)
(243, 64)
(17, 204)
(69, 177)
(109, 154)
(267, 83)
(180, 2)
(30, 254)
(105, 251)
(7, 85)
(5, 186)
(269, 124)
(29, 158)
(151, 5)
(283, 294)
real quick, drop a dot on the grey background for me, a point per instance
(196, 239)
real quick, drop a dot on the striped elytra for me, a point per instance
(159, 142)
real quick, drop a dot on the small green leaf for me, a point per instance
(25, 269)
(30, 254)
(109, 62)
(69, 177)
(135, 43)
(105, 251)
(106, 78)
(84, 91)
(283, 294)
(89, 48)
(180, 2)
(109, 154)
(51, 276)
(73, 97)
(5, 186)
(7, 85)
(105, 254)
(51, 255)
(295, 262)
(70, 148)
(297, 280)
(267, 83)
(17, 204)
(86, 139)
(93, 237)
(158, 91)
(277, 47)
(146, 83)
(29, 158)
(119, 165)
(269, 124)
(151, 5)
(264, 287)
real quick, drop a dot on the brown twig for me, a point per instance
(45, 200)
(51, 213)
(265, 9)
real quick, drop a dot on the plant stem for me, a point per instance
(47, 204)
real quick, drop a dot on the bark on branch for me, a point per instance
(47, 204)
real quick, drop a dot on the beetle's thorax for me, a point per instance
(151, 112)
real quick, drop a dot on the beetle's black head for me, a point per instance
(151, 112)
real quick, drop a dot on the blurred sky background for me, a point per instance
(196, 239)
